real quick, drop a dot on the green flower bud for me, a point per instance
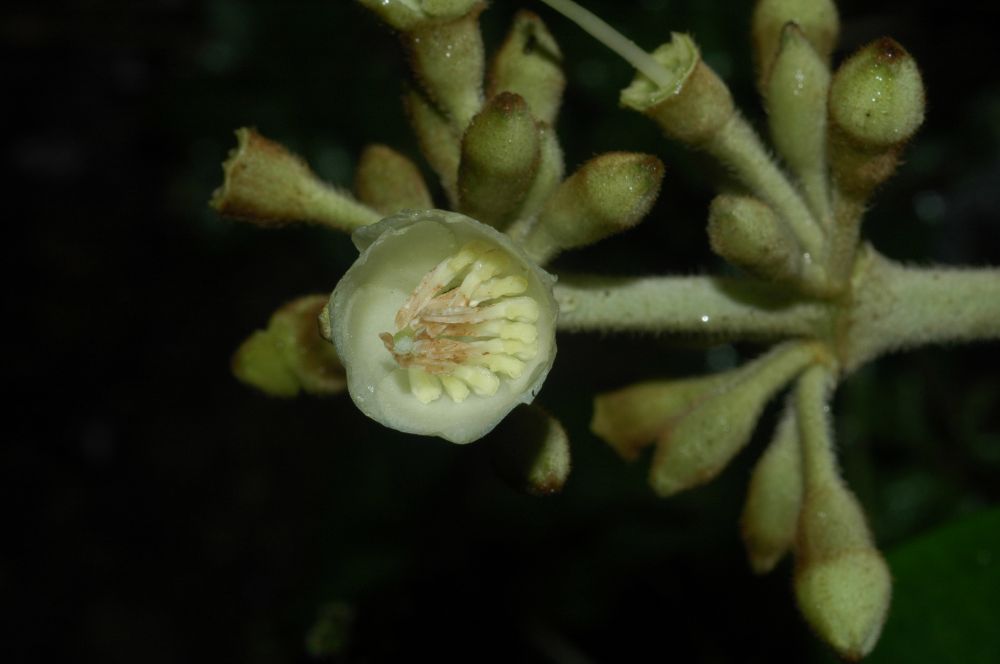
(876, 105)
(388, 182)
(817, 19)
(796, 95)
(609, 194)
(877, 95)
(529, 64)
(842, 583)
(633, 417)
(290, 355)
(694, 105)
(699, 444)
(500, 156)
(443, 324)
(268, 185)
(774, 498)
(530, 450)
(439, 142)
(446, 50)
(448, 59)
(748, 234)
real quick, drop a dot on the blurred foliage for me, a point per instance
(161, 510)
(946, 593)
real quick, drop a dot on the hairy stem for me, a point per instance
(812, 399)
(713, 307)
(896, 307)
(848, 212)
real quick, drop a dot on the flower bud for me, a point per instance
(439, 142)
(530, 450)
(633, 417)
(268, 185)
(448, 60)
(500, 155)
(443, 324)
(774, 498)
(528, 64)
(796, 95)
(609, 194)
(290, 355)
(817, 19)
(694, 105)
(388, 182)
(876, 105)
(748, 234)
(877, 95)
(699, 444)
(842, 583)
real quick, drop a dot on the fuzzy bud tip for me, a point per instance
(877, 95)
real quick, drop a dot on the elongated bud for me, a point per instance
(389, 182)
(876, 105)
(290, 355)
(439, 142)
(694, 105)
(748, 234)
(842, 583)
(529, 64)
(700, 444)
(531, 451)
(796, 95)
(500, 155)
(774, 498)
(448, 59)
(609, 194)
(411, 14)
(633, 417)
(817, 19)
(268, 185)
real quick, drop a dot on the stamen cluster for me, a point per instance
(467, 323)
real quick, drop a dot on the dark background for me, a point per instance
(159, 511)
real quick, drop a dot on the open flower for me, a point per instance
(443, 324)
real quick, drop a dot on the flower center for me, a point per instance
(466, 324)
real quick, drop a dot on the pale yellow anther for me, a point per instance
(466, 255)
(482, 381)
(486, 267)
(503, 287)
(521, 331)
(516, 308)
(524, 351)
(456, 389)
(502, 364)
(505, 329)
(425, 387)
